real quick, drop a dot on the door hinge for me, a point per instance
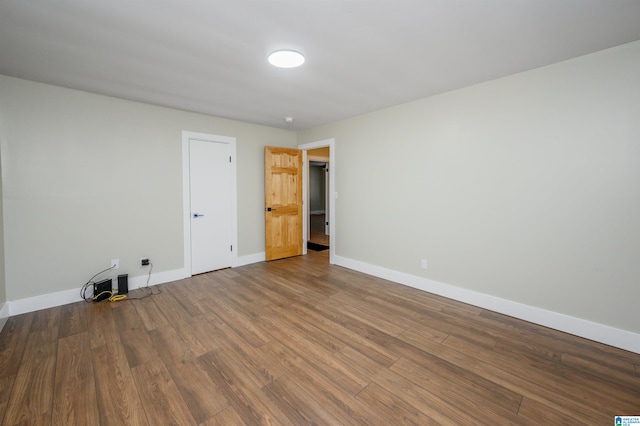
(229, 158)
(231, 247)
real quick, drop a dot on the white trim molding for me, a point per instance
(45, 301)
(608, 335)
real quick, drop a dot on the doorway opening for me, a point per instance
(319, 196)
(318, 223)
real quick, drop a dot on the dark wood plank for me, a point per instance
(125, 315)
(118, 399)
(138, 346)
(75, 400)
(191, 331)
(318, 336)
(227, 417)
(323, 360)
(46, 319)
(244, 368)
(296, 404)
(13, 340)
(619, 373)
(542, 414)
(191, 301)
(201, 394)
(481, 399)
(237, 320)
(392, 408)
(439, 408)
(160, 396)
(247, 357)
(102, 327)
(520, 378)
(353, 309)
(36, 372)
(203, 397)
(73, 319)
(248, 401)
(46, 323)
(555, 340)
(576, 385)
(365, 346)
(40, 420)
(6, 386)
(149, 312)
(171, 348)
(171, 309)
(362, 365)
(341, 404)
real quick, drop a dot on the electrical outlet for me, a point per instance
(423, 263)
(115, 263)
(144, 261)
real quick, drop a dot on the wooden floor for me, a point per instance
(298, 341)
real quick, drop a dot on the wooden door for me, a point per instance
(283, 202)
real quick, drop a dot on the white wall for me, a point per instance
(88, 178)
(4, 311)
(526, 188)
(3, 292)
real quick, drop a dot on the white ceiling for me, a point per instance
(210, 56)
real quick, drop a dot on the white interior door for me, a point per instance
(211, 202)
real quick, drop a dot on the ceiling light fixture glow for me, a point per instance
(286, 58)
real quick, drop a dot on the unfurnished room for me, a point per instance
(329, 212)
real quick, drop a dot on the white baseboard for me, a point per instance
(44, 301)
(159, 278)
(251, 258)
(583, 328)
(4, 314)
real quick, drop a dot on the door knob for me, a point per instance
(196, 215)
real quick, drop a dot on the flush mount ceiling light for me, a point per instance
(286, 58)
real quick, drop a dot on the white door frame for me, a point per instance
(332, 193)
(327, 197)
(186, 194)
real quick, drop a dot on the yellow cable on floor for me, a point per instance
(113, 297)
(117, 297)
